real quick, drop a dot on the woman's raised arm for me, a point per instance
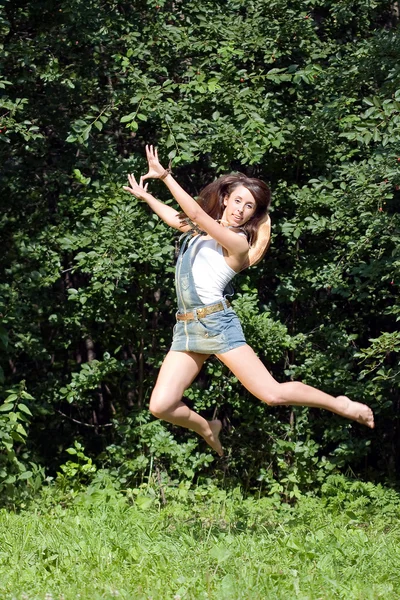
(169, 215)
(233, 243)
(157, 171)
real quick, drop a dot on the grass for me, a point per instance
(219, 547)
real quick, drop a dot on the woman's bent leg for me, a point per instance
(177, 372)
(248, 368)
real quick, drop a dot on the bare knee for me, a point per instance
(275, 396)
(156, 407)
(283, 393)
(160, 404)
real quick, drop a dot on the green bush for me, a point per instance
(303, 96)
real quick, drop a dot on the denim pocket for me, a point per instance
(184, 281)
(211, 325)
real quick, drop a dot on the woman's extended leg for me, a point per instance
(248, 368)
(177, 372)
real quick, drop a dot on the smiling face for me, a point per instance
(240, 206)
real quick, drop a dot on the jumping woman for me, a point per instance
(223, 227)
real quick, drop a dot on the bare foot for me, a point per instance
(358, 412)
(213, 439)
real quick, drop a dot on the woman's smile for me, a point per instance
(240, 206)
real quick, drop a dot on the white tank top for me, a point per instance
(211, 273)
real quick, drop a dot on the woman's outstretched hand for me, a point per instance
(155, 168)
(139, 190)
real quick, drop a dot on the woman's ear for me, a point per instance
(226, 200)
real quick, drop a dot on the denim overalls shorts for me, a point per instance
(216, 333)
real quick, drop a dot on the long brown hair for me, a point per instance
(211, 199)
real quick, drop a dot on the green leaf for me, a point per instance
(297, 233)
(144, 502)
(11, 398)
(221, 553)
(128, 118)
(21, 429)
(25, 409)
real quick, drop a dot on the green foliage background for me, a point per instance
(305, 95)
